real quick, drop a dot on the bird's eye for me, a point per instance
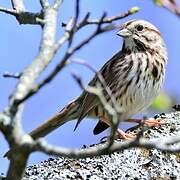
(139, 27)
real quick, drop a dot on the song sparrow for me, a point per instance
(135, 76)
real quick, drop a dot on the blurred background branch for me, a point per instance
(170, 5)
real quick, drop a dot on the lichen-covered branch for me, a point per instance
(130, 163)
(160, 144)
(169, 143)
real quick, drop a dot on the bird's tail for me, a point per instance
(68, 113)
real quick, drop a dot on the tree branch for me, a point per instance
(12, 75)
(20, 143)
(68, 54)
(114, 18)
(160, 144)
(18, 5)
(170, 5)
(46, 53)
(108, 102)
(44, 3)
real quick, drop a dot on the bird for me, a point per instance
(134, 75)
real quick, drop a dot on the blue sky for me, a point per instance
(19, 45)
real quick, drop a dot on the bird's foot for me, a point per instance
(120, 134)
(151, 122)
(123, 135)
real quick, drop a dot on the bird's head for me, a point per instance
(141, 35)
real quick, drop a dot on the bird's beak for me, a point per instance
(124, 33)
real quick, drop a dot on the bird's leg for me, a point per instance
(121, 134)
(151, 122)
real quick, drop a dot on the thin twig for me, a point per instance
(101, 80)
(115, 116)
(66, 35)
(25, 17)
(13, 12)
(71, 32)
(115, 113)
(12, 75)
(18, 5)
(44, 3)
(110, 110)
(63, 62)
(57, 4)
(114, 18)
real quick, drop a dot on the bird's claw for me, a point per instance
(124, 135)
(152, 122)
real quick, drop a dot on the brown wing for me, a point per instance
(91, 101)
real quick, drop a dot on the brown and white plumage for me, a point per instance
(135, 76)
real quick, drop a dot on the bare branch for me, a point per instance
(20, 143)
(114, 18)
(64, 60)
(111, 111)
(44, 3)
(170, 5)
(17, 166)
(46, 53)
(9, 11)
(66, 35)
(25, 17)
(57, 3)
(101, 80)
(15, 137)
(165, 144)
(160, 144)
(12, 75)
(74, 24)
(18, 5)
